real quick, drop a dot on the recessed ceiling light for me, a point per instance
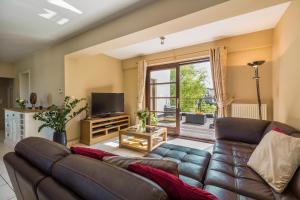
(62, 21)
(48, 15)
(63, 4)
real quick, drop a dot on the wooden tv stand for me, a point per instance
(98, 129)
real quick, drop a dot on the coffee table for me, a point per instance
(148, 140)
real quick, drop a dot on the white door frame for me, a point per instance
(20, 82)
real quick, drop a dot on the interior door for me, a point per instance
(162, 91)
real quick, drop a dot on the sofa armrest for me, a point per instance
(239, 129)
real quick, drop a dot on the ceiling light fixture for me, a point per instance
(62, 21)
(162, 40)
(63, 4)
(48, 15)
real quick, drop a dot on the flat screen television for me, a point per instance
(104, 104)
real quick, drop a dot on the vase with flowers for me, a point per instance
(21, 102)
(142, 116)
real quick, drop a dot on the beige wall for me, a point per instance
(241, 50)
(86, 74)
(46, 75)
(286, 67)
(7, 70)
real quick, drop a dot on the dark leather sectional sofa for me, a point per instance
(41, 169)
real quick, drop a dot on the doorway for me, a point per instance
(6, 101)
(181, 96)
(24, 85)
(197, 100)
(162, 96)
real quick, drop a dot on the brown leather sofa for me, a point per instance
(41, 169)
(228, 176)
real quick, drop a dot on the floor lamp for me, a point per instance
(255, 66)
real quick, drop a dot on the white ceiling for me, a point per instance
(250, 22)
(23, 30)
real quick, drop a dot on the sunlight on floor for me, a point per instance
(112, 144)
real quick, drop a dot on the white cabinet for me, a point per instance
(20, 124)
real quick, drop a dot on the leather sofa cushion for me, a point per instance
(166, 165)
(241, 130)
(294, 185)
(192, 163)
(24, 177)
(41, 153)
(240, 150)
(95, 180)
(48, 188)
(224, 194)
(228, 170)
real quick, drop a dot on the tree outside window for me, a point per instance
(193, 90)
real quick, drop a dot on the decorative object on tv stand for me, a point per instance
(255, 66)
(33, 99)
(21, 102)
(57, 118)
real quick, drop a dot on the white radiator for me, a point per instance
(248, 111)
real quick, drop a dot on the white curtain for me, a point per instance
(218, 60)
(142, 69)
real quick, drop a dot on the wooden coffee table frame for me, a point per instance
(140, 136)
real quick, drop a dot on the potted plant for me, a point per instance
(153, 119)
(56, 117)
(143, 116)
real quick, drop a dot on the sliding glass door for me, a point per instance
(197, 100)
(162, 91)
(181, 96)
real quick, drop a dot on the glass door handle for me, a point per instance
(177, 103)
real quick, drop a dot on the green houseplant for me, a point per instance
(143, 116)
(153, 119)
(56, 117)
